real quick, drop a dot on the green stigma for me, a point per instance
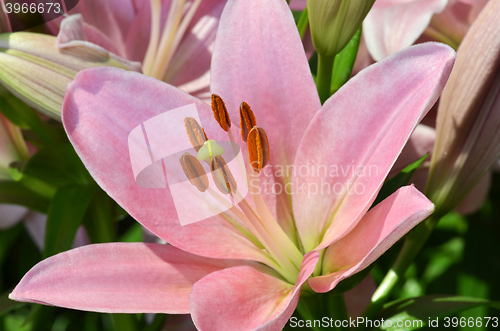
(209, 150)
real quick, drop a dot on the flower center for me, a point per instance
(162, 45)
(253, 217)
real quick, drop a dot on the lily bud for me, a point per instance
(333, 23)
(12, 147)
(468, 122)
(35, 70)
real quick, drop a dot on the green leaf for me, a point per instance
(100, 218)
(425, 309)
(471, 285)
(18, 194)
(65, 216)
(302, 23)
(57, 166)
(344, 62)
(125, 322)
(401, 179)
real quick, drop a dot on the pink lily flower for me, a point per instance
(172, 39)
(247, 274)
(393, 25)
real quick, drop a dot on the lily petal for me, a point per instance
(392, 25)
(379, 229)
(110, 17)
(105, 106)
(74, 32)
(243, 298)
(276, 83)
(117, 278)
(360, 131)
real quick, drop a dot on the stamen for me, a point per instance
(220, 112)
(247, 120)
(258, 148)
(194, 172)
(195, 132)
(223, 178)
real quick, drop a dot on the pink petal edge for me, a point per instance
(117, 278)
(379, 229)
(243, 298)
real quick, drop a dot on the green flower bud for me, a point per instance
(35, 70)
(334, 22)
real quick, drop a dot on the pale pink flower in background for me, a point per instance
(393, 25)
(173, 39)
(226, 278)
(12, 149)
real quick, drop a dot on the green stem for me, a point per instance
(338, 310)
(324, 78)
(414, 242)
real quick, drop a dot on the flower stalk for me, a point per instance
(324, 78)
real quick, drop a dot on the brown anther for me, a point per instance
(258, 148)
(247, 120)
(194, 172)
(195, 132)
(223, 178)
(220, 112)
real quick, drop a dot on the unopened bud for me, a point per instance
(333, 23)
(468, 122)
(35, 70)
